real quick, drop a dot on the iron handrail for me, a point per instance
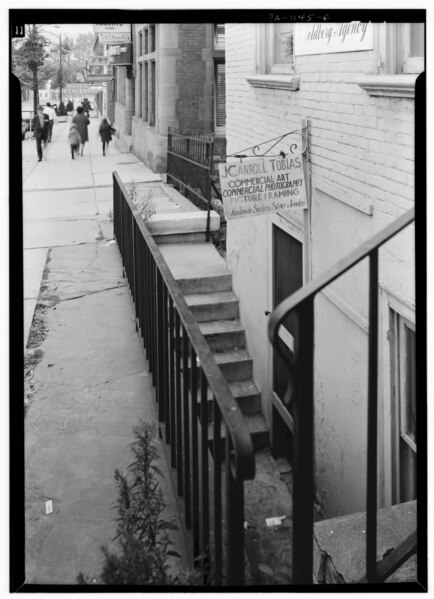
(243, 464)
(313, 287)
(301, 302)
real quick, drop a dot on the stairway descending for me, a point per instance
(207, 286)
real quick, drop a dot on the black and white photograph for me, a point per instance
(215, 222)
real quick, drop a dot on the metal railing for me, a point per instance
(301, 370)
(202, 425)
(189, 166)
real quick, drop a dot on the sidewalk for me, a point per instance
(91, 386)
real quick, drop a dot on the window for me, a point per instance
(220, 96)
(219, 36)
(152, 95)
(401, 48)
(400, 51)
(145, 91)
(139, 90)
(151, 38)
(402, 338)
(413, 47)
(283, 48)
(140, 48)
(275, 57)
(147, 77)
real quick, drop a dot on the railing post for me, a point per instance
(371, 488)
(209, 148)
(234, 523)
(303, 413)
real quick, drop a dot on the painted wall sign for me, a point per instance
(118, 28)
(114, 38)
(326, 38)
(258, 186)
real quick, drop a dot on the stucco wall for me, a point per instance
(362, 151)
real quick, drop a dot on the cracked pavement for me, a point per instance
(91, 386)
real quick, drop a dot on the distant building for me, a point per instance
(175, 77)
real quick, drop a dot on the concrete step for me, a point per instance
(208, 284)
(223, 335)
(213, 306)
(170, 223)
(236, 365)
(246, 395)
(257, 428)
(181, 238)
(197, 267)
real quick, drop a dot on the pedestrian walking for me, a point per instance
(74, 140)
(23, 129)
(49, 110)
(105, 131)
(40, 130)
(81, 121)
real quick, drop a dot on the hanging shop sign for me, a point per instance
(101, 61)
(112, 28)
(259, 186)
(327, 38)
(114, 38)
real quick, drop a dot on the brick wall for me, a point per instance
(194, 77)
(361, 143)
(362, 150)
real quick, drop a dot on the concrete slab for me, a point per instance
(134, 171)
(183, 222)
(344, 540)
(104, 200)
(92, 389)
(74, 202)
(84, 269)
(34, 264)
(43, 233)
(194, 260)
(56, 172)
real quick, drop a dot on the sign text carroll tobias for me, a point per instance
(258, 186)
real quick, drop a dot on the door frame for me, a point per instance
(299, 229)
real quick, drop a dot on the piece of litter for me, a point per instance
(246, 525)
(49, 506)
(109, 243)
(275, 521)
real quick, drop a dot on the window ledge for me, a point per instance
(401, 86)
(288, 82)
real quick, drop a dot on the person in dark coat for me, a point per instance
(40, 130)
(81, 121)
(105, 131)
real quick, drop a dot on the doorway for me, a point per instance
(287, 277)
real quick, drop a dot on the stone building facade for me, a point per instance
(174, 68)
